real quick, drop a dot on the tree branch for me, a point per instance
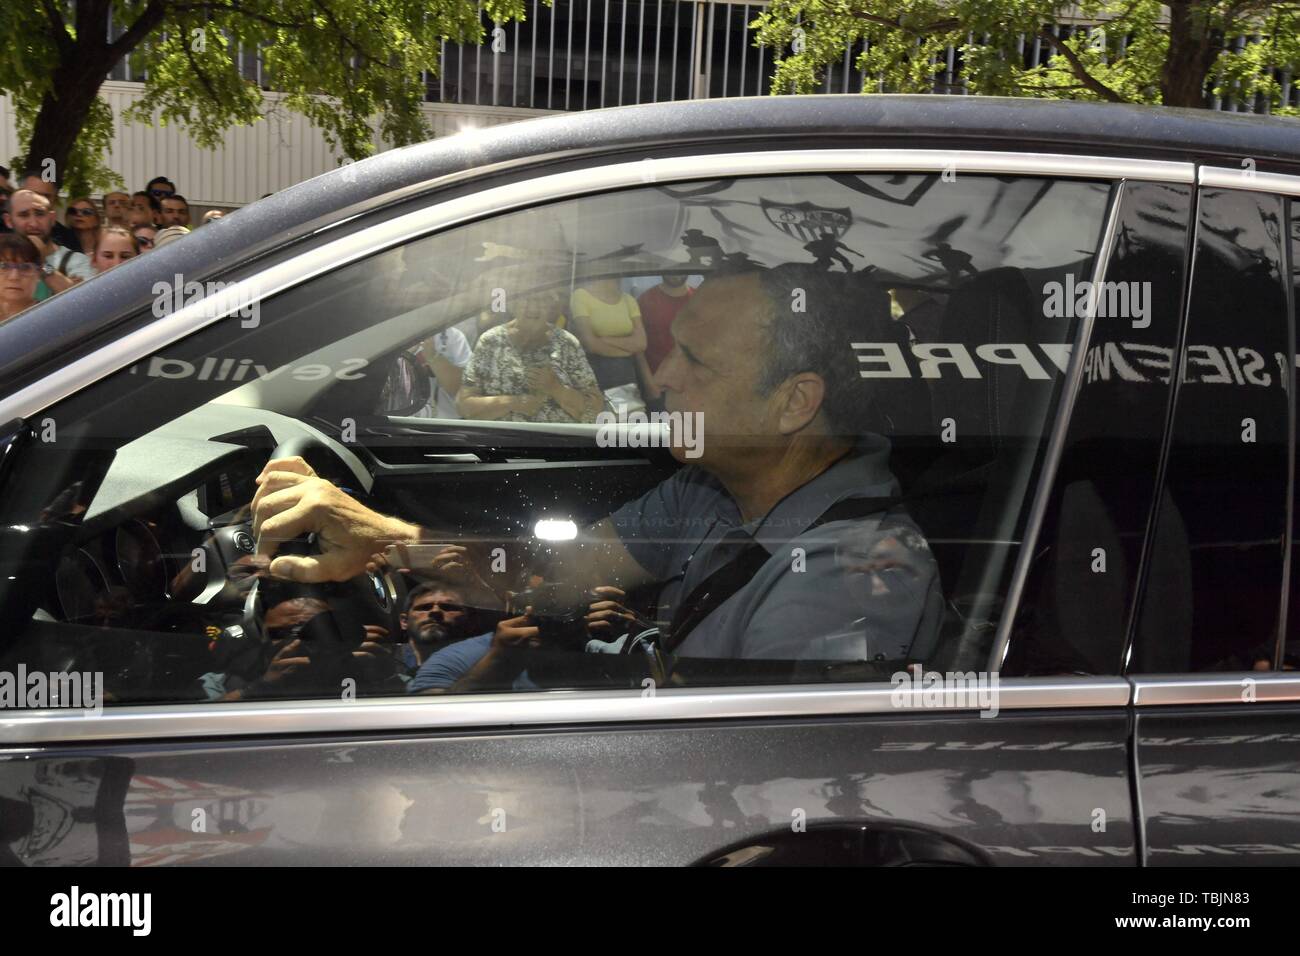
(237, 10)
(939, 26)
(58, 29)
(344, 38)
(89, 15)
(1246, 9)
(1121, 17)
(198, 71)
(1079, 70)
(148, 20)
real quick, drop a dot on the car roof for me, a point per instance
(64, 326)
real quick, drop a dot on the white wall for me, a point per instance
(277, 152)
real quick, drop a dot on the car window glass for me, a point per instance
(735, 431)
(1291, 635)
(1218, 540)
(1078, 597)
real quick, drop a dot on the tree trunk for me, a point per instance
(1192, 52)
(59, 122)
(84, 63)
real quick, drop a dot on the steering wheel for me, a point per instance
(323, 458)
(368, 598)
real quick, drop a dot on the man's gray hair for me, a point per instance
(838, 310)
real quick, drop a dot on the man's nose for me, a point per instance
(666, 376)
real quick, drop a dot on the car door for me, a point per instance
(989, 372)
(1217, 710)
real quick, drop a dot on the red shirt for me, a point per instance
(658, 309)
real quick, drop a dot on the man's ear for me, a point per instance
(801, 400)
(9, 223)
(401, 619)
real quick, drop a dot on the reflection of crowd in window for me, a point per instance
(528, 370)
(557, 357)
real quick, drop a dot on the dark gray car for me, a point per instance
(1048, 622)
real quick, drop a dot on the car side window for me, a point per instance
(1080, 591)
(1291, 635)
(1216, 575)
(737, 431)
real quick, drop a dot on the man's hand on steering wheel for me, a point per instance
(292, 501)
(294, 463)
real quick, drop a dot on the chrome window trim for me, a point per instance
(436, 216)
(1055, 442)
(480, 712)
(1166, 690)
(1229, 178)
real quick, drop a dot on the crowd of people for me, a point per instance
(41, 256)
(553, 358)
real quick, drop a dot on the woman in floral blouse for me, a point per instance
(529, 371)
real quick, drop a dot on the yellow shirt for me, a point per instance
(607, 321)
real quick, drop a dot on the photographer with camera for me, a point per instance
(498, 660)
(439, 618)
(301, 657)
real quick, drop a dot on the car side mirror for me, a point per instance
(407, 388)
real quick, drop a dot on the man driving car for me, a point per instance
(743, 543)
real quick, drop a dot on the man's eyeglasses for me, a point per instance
(22, 268)
(82, 211)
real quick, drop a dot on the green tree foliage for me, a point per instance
(341, 63)
(1136, 51)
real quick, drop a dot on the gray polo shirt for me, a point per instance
(858, 589)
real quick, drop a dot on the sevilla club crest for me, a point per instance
(807, 221)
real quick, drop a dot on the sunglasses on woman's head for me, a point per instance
(161, 193)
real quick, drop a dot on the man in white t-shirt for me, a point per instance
(445, 355)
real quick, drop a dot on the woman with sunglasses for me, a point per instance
(115, 246)
(20, 272)
(144, 236)
(83, 219)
